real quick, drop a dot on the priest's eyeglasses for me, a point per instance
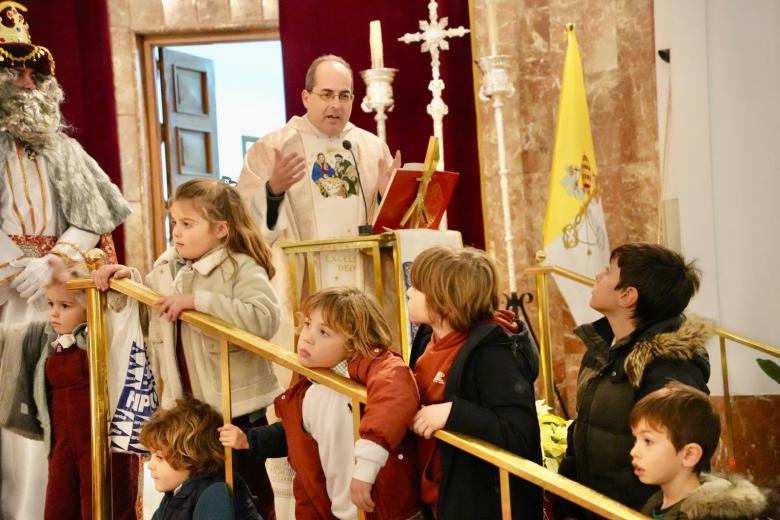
(328, 95)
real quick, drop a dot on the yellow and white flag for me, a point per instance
(574, 233)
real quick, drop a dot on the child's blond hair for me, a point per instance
(460, 285)
(220, 202)
(187, 436)
(72, 271)
(349, 311)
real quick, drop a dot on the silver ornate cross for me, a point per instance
(434, 34)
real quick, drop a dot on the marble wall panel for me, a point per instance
(145, 15)
(135, 227)
(756, 438)
(124, 64)
(119, 12)
(129, 155)
(271, 9)
(241, 10)
(213, 12)
(180, 13)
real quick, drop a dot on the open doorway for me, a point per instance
(206, 105)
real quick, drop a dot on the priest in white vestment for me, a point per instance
(55, 202)
(302, 184)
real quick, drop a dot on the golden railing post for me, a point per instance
(227, 408)
(311, 273)
(376, 257)
(292, 263)
(506, 497)
(545, 342)
(731, 454)
(98, 393)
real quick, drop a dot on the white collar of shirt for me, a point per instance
(64, 341)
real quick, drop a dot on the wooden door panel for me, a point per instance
(193, 150)
(189, 117)
(192, 95)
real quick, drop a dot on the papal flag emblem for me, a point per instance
(574, 233)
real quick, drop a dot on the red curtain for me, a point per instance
(77, 33)
(310, 28)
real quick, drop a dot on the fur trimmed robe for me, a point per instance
(85, 196)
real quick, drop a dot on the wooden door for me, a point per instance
(189, 117)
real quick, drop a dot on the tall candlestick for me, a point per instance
(492, 27)
(375, 41)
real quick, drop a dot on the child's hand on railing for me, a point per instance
(361, 495)
(232, 437)
(172, 306)
(102, 276)
(430, 419)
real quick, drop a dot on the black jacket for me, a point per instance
(612, 379)
(491, 388)
(181, 506)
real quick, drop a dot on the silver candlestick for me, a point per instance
(495, 87)
(379, 96)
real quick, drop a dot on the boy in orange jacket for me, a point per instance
(344, 330)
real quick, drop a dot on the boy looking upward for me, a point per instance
(642, 341)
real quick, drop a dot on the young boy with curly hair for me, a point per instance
(344, 331)
(187, 463)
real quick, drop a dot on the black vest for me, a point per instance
(181, 506)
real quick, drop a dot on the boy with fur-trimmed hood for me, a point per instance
(677, 431)
(642, 342)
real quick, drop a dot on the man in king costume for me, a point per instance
(55, 201)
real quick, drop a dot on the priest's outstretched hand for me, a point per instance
(287, 171)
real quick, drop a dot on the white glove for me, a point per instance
(31, 284)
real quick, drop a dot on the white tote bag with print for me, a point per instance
(132, 394)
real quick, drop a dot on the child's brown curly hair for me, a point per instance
(187, 436)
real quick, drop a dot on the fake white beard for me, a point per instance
(31, 116)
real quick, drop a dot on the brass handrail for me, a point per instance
(506, 462)
(554, 269)
(752, 343)
(541, 273)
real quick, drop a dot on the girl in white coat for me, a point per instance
(219, 265)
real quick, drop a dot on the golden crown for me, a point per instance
(19, 31)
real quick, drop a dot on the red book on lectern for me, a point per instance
(401, 194)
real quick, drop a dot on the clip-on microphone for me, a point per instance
(365, 229)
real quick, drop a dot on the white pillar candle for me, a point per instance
(375, 41)
(492, 27)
